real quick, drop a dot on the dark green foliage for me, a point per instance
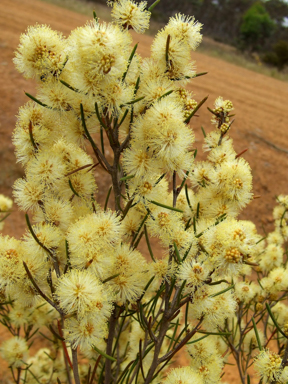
(279, 56)
(256, 26)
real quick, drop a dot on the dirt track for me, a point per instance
(260, 104)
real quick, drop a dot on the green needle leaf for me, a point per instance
(257, 335)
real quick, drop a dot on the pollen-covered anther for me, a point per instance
(147, 187)
(11, 254)
(233, 255)
(190, 105)
(239, 234)
(238, 183)
(197, 269)
(275, 359)
(106, 63)
(285, 329)
(203, 370)
(182, 93)
(224, 127)
(163, 219)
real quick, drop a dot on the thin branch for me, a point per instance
(42, 294)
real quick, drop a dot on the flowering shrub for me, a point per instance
(77, 279)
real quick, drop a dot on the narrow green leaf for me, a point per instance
(127, 177)
(107, 198)
(103, 354)
(35, 378)
(110, 278)
(187, 197)
(129, 61)
(180, 291)
(69, 86)
(123, 118)
(95, 16)
(165, 206)
(257, 334)
(187, 252)
(194, 224)
(127, 208)
(133, 101)
(148, 244)
(219, 282)
(184, 180)
(259, 282)
(200, 74)
(160, 178)
(137, 85)
(165, 94)
(72, 188)
(31, 135)
(274, 321)
(199, 105)
(177, 252)
(153, 5)
(173, 336)
(5, 217)
(223, 291)
(198, 210)
(37, 101)
(215, 333)
(204, 133)
(139, 229)
(263, 238)
(167, 50)
(200, 338)
(99, 117)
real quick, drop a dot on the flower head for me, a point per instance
(15, 351)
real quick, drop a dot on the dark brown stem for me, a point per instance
(115, 179)
(95, 369)
(66, 354)
(81, 168)
(75, 366)
(18, 375)
(163, 330)
(181, 344)
(175, 194)
(285, 356)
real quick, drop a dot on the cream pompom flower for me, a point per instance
(184, 375)
(194, 272)
(128, 14)
(185, 28)
(5, 203)
(15, 351)
(268, 366)
(80, 292)
(85, 332)
(27, 193)
(133, 274)
(41, 53)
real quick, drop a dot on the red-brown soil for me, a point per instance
(260, 104)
